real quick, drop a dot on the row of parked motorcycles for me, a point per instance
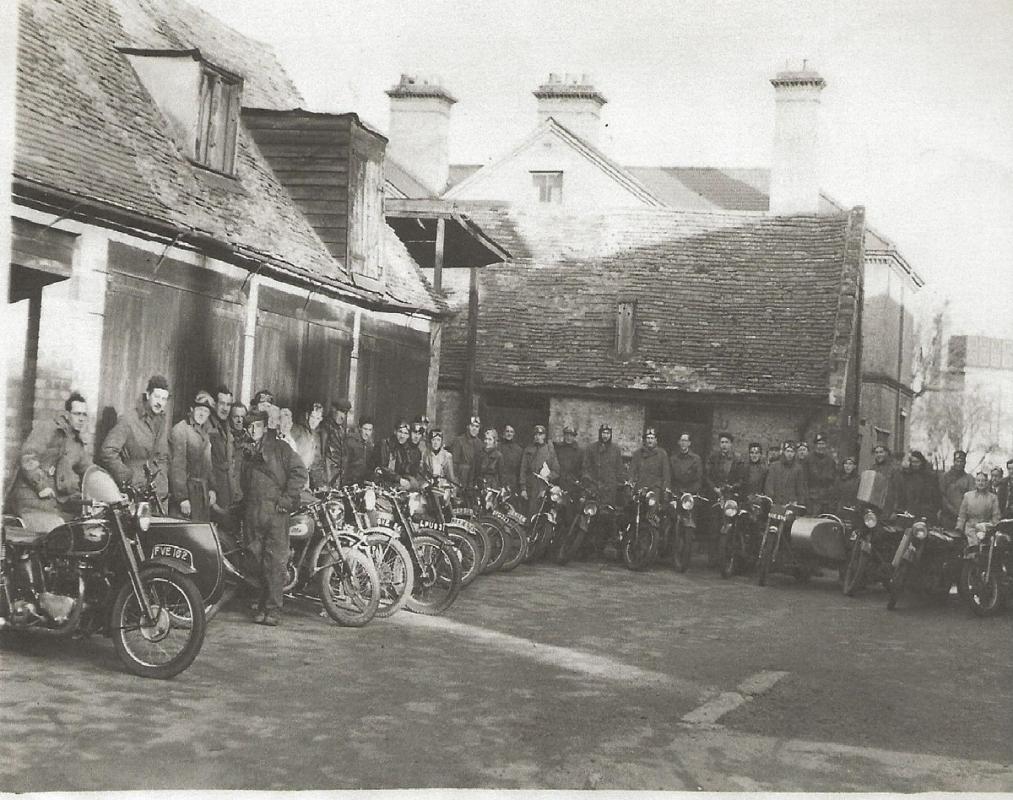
(151, 583)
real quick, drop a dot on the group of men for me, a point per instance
(229, 463)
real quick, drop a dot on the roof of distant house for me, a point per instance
(87, 128)
(725, 303)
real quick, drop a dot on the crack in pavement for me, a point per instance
(753, 686)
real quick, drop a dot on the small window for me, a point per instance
(549, 186)
(218, 124)
(625, 327)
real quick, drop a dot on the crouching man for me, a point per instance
(272, 477)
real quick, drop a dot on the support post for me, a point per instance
(470, 367)
(441, 233)
(249, 338)
(353, 368)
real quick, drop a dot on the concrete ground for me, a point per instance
(582, 677)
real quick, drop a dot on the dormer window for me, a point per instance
(548, 186)
(218, 123)
(200, 102)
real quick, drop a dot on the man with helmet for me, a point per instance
(539, 458)
(604, 471)
(512, 453)
(785, 482)
(400, 455)
(465, 451)
(570, 457)
(649, 467)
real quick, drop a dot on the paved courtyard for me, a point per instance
(581, 677)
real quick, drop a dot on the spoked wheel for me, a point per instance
(570, 543)
(766, 560)
(516, 547)
(481, 539)
(682, 547)
(854, 575)
(639, 546)
(438, 580)
(985, 596)
(291, 573)
(467, 554)
(394, 567)
(349, 588)
(167, 643)
(896, 586)
(497, 536)
(538, 539)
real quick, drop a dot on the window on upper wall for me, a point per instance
(625, 319)
(549, 186)
(218, 122)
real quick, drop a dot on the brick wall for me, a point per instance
(626, 418)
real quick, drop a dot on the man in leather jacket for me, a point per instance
(539, 457)
(400, 456)
(649, 466)
(272, 479)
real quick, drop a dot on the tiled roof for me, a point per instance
(86, 126)
(406, 284)
(402, 183)
(741, 304)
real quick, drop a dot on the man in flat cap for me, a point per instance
(539, 458)
(190, 493)
(333, 444)
(272, 478)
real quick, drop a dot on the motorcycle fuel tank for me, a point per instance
(79, 537)
(821, 537)
(194, 544)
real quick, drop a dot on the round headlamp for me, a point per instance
(731, 508)
(590, 509)
(870, 520)
(920, 530)
(651, 498)
(687, 502)
(143, 515)
(335, 511)
(369, 499)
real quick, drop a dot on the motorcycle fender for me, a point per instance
(902, 549)
(551, 517)
(726, 529)
(866, 546)
(174, 563)
(584, 522)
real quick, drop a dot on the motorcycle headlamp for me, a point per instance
(335, 511)
(1001, 538)
(980, 532)
(369, 499)
(870, 520)
(490, 501)
(555, 494)
(143, 515)
(590, 509)
(920, 530)
(416, 504)
(731, 508)
(687, 502)
(652, 499)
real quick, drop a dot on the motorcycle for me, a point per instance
(678, 527)
(639, 528)
(541, 526)
(344, 578)
(927, 559)
(741, 531)
(499, 514)
(872, 543)
(434, 557)
(990, 568)
(569, 542)
(775, 544)
(95, 574)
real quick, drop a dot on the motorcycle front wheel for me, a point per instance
(349, 588)
(394, 567)
(639, 547)
(729, 555)
(438, 580)
(516, 547)
(854, 574)
(766, 560)
(467, 553)
(165, 645)
(896, 586)
(571, 543)
(985, 596)
(682, 548)
(496, 533)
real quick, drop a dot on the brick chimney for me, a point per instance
(795, 169)
(419, 129)
(574, 103)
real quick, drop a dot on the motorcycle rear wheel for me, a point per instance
(350, 589)
(896, 586)
(177, 606)
(854, 574)
(438, 581)
(766, 559)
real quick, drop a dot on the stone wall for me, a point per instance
(626, 419)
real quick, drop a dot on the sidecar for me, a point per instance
(193, 548)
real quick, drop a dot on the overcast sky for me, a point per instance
(917, 113)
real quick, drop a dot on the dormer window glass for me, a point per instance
(218, 123)
(548, 186)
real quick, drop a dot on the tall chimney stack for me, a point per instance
(574, 103)
(420, 128)
(795, 173)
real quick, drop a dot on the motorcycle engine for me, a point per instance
(56, 606)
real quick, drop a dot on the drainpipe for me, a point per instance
(250, 336)
(353, 367)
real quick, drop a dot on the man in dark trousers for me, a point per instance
(272, 478)
(820, 471)
(465, 450)
(512, 453)
(334, 443)
(604, 471)
(756, 470)
(570, 457)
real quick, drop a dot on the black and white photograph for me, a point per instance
(512, 395)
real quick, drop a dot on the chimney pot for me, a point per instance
(795, 173)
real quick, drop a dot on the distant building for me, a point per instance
(980, 369)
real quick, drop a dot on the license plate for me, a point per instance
(171, 551)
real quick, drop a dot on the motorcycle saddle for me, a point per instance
(30, 528)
